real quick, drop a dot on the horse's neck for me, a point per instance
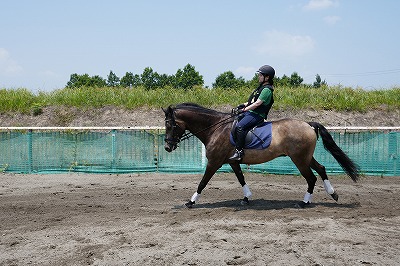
(199, 122)
(202, 125)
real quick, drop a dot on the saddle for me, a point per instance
(257, 138)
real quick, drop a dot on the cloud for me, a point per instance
(276, 43)
(320, 4)
(331, 20)
(245, 71)
(7, 65)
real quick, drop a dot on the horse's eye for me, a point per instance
(168, 125)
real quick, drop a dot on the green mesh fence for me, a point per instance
(142, 150)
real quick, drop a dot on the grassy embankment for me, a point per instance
(327, 98)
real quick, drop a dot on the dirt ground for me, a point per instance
(139, 219)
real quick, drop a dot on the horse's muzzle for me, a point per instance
(171, 144)
(168, 146)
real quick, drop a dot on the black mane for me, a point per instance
(197, 108)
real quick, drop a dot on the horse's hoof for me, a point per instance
(189, 204)
(335, 196)
(245, 201)
(302, 204)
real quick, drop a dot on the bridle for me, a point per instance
(175, 140)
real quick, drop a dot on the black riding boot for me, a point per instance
(240, 139)
(238, 155)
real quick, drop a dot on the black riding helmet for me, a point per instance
(267, 70)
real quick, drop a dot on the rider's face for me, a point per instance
(261, 78)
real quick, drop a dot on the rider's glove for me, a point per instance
(241, 106)
(237, 111)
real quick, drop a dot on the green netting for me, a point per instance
(123, 151)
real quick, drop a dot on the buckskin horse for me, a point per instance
(294, 138)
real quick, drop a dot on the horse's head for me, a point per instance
(173, 131)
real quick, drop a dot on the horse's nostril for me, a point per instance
(168, 148)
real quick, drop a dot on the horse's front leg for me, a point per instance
(210, 171)
(246, 190)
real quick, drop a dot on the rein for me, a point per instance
(190, 134)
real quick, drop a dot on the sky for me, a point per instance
(352, 43)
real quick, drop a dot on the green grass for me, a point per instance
(325, 98)
(337, 98)
(16, 100)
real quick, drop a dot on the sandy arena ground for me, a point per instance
(138, 219)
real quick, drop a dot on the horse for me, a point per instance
(290, 137)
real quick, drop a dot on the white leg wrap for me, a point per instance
(195, 197)
(328, 187)
(246, 191)
(307, 198)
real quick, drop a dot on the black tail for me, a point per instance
(345, 162)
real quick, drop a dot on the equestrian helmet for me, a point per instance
(267, 70)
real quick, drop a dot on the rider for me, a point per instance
(255, 110)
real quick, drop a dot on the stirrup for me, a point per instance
(237, 156)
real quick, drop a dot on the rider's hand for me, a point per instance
(237, 111)
(241, 106)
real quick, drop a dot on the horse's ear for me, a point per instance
(168, 110)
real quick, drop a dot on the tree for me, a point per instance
(76, 81)
(188, 78)
(130, 80)
(253, 83)
(284, 81)
(228, 80)
(318, 82)
(112, 80)
(295, 79)
(85, 80)
(73, 80)
(165, 80)
(97, 81)
(149, 78)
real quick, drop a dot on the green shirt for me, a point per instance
(266, 98)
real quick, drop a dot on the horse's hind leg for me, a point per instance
(239, 174)
(320, 169)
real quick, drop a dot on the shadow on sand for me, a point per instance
(262, 204)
